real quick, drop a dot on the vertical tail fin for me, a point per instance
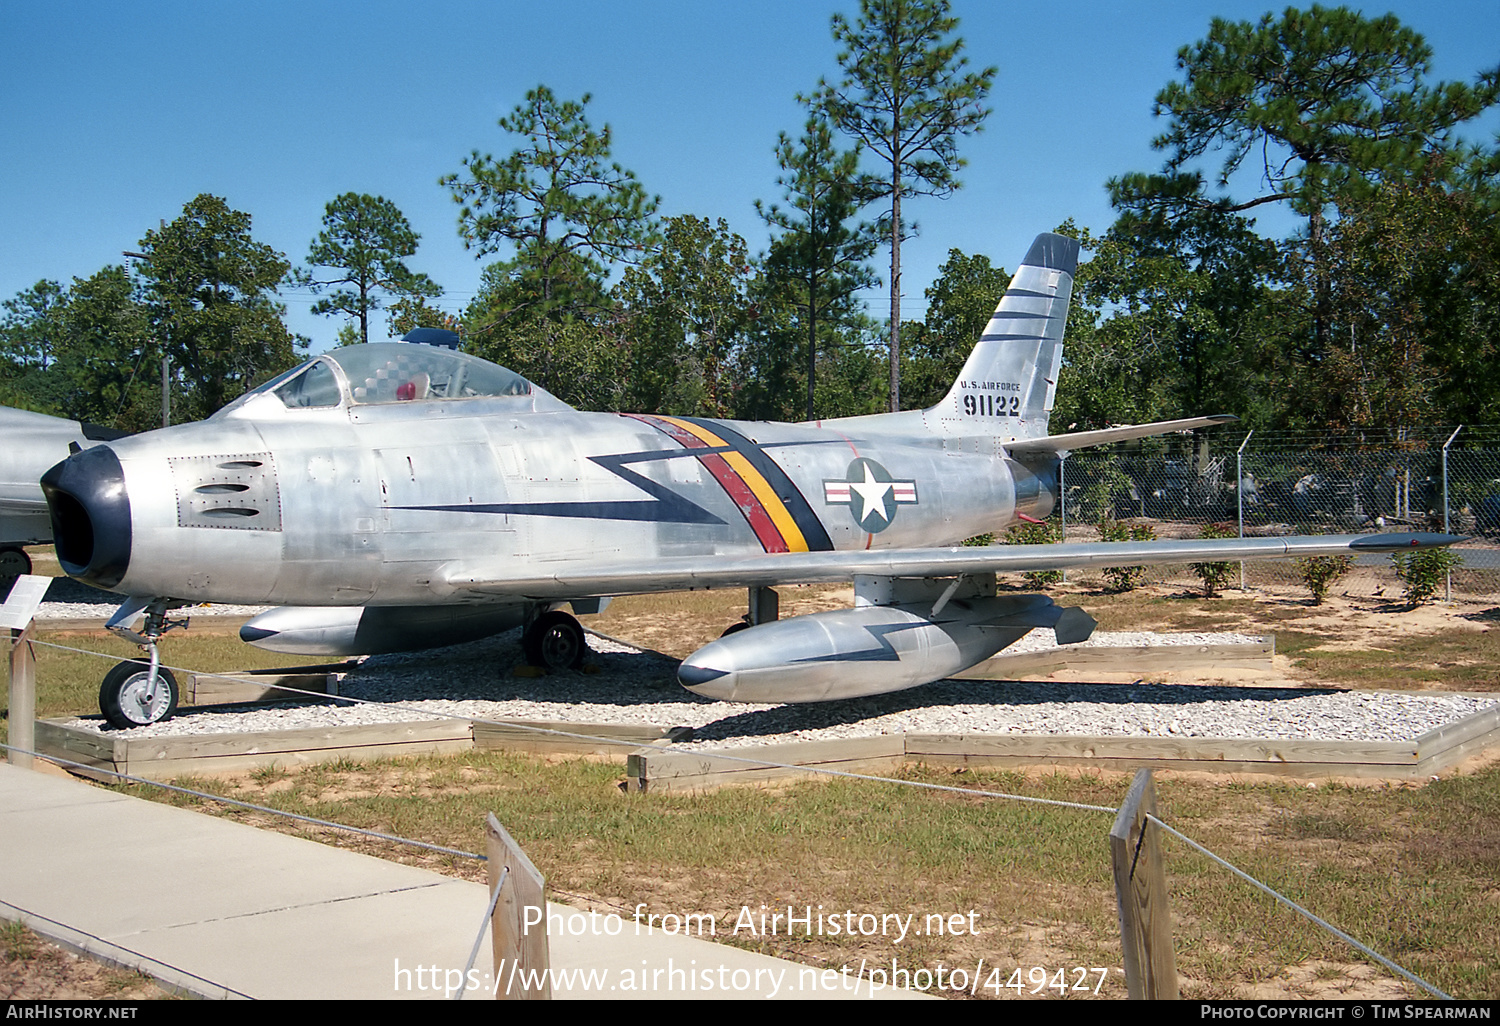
(1009, 382)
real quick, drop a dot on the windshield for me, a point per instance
(316, 386)
(389, 372)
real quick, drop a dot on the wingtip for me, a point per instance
(1398, 541)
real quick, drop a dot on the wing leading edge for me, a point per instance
(479, 579)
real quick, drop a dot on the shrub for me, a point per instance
(1044, 533)
(1215, 575)
(1424, 571)
(1119, 579)
(1318, 572)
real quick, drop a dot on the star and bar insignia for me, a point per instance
(871, 494)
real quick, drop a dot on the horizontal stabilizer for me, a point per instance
(1083, 439)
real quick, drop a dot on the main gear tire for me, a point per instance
(14, 563)
(555, 641)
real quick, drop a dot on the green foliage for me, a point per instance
(1215, 576)
(1178, 332)
(685, 309)
(1326, 100)
(818, 258)
(557, 203)
(1380, 309)
(367, 238)
(410, 312)
(1120, 579)
(1318, 572)
(208, 289)
(107, 367)
(29, 329)
(959, 305)
(1414, 300)
(575, 360)
(1424, 571)
(1043, 533)
(83, 352)
(906, 97)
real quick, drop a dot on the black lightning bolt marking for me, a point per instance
(664, 506)
(886, 653)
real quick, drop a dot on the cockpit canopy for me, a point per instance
(388, 372)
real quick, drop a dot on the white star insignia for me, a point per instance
(872, 495)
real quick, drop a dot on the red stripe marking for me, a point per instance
(755, 514)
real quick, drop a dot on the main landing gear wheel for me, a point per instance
(555, 642)
(735, 628)
(13, 564)
(126, 701)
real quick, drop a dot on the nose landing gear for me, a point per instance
(130, 697)
(139, 692)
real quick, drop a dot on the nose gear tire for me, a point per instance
(123, 695)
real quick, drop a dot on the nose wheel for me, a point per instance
(140, 691)
(555, 641)
(129, 697)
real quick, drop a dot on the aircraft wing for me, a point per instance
(485, 578)
(1083, 439)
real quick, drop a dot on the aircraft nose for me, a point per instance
(90, 516)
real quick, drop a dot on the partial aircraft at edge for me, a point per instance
(399, 496)
(33, 442)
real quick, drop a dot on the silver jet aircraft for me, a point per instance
(29, 444)
(397, 496)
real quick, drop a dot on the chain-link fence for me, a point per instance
(1288, 484)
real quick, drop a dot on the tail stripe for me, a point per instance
(1021, 315)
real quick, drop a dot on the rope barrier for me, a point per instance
(721, 755)
(1289, 903)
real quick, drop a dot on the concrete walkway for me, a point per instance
(219, 909)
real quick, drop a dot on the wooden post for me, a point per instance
(1141, 889)
(518, 927)
(16, 613)
(22, 715)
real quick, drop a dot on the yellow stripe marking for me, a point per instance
(756, 482)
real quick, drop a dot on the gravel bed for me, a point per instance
(473, 681)
(96, 611)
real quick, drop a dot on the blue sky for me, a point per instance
(113, 115)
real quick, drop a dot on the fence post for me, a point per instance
(1448, 588)
(518, 939)
(16, 613)
(1062, 503)
(1239, 494)
(1141, 891)
(22, 715)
